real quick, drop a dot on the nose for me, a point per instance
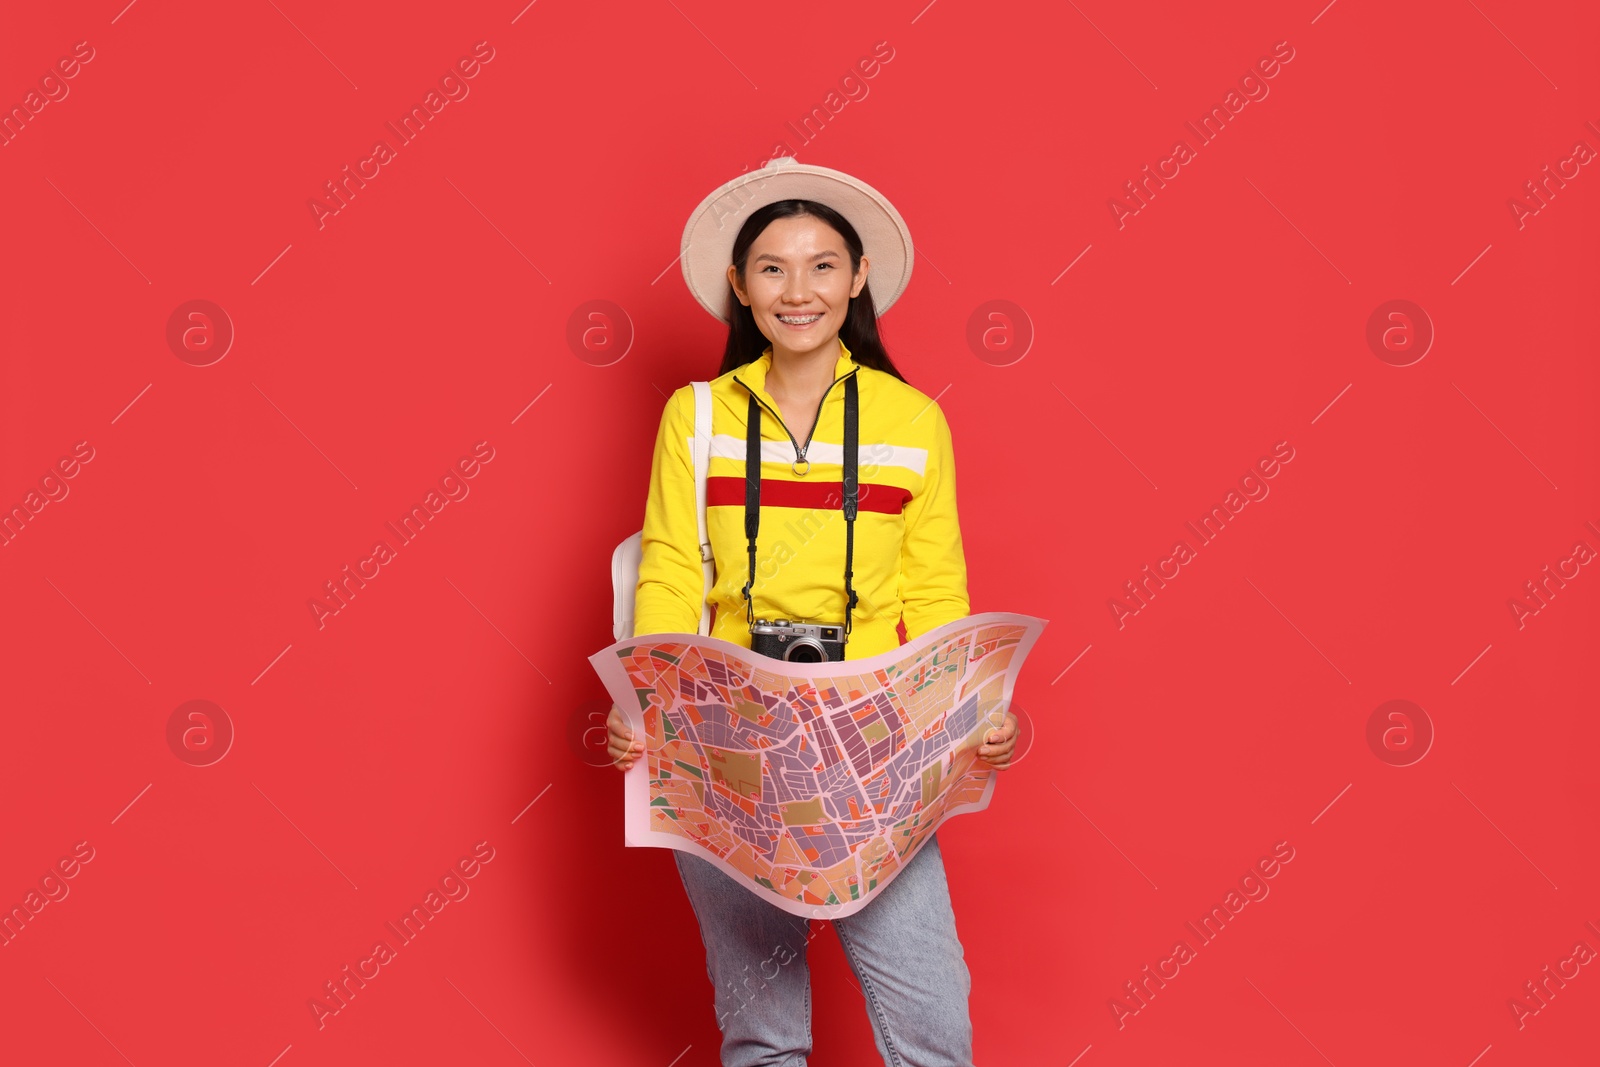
(797, 290)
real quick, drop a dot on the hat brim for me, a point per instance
(708, 237)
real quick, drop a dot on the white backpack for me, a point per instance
(625, 560)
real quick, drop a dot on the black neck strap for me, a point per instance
(852, 486)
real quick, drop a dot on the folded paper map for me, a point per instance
(811, 784)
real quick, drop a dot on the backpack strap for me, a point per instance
(702, 463)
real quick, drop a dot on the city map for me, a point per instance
(812, 784)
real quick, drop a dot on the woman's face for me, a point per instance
(798, 283)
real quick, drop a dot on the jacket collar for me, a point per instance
(754, 373)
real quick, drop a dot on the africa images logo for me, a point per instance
(454, 89)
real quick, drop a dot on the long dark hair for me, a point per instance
(860, 330)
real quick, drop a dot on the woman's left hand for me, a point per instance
(1000, 743)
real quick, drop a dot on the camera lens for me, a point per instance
(805, 650)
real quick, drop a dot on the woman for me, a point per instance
(801, 322)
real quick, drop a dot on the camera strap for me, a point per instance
(852, 486)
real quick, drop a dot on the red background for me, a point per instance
(1228, 314)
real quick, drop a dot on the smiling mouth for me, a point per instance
(799, 320)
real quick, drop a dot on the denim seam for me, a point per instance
(872, 995)
(808, 1002)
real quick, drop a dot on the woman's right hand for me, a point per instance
(620, 744)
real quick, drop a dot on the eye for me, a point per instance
(824, 264)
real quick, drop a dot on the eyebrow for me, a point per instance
(780, 259)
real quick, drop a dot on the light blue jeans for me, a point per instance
(902, 946)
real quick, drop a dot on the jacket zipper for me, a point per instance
(799, 449)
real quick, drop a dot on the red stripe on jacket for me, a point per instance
(829, 496)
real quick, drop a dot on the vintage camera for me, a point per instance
(797, 642)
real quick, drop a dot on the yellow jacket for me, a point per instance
(908, 559)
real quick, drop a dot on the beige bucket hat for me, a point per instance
(708, 238)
